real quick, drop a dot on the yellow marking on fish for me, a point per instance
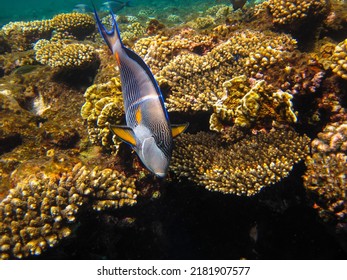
(138, 115)
(116, 55)
(178, 129)
(125, 134)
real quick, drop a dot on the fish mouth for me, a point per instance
(160, 174)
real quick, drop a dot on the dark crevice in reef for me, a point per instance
(9, 143)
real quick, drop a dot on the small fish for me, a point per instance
(148, 130)
(238, 4)
(115, 6)
(82, 8)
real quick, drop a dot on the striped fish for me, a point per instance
(148, 130)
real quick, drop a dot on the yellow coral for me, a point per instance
(73, 25)
(241, 168)
(201, 22)
(103, 107)
(339, 60)
(42, 208)
(287, 12)
(64, 54)
(20, 35)
(195, 82)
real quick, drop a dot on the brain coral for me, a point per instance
(64, 54)
(103, 106)
(241, 168)
(339, 60)
(42, 208)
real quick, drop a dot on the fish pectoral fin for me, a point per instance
(125, 133)
(177, 129)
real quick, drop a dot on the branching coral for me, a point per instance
(103, 107)
(241, 168)
(64, 54)
(43, 207)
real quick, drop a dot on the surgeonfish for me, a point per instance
(115, 6)
(238, 4)
(81, 8)
(148, 130)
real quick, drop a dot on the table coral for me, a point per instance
(248, 53)
(21, 35)
(42, 208)
(64, 54)
(289, 12)
(103, 107)
(73, 26)
(157, 50)
(241, 168)
(339, 60)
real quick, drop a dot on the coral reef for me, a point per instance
(339, 60)
(64, 54)
(42, 208)
(72, 26)
(103, 107)
(201, 22)
(245, 104)
(20, 35)
(248, 53)
(325, 177)
(295, 12)
(241, 168)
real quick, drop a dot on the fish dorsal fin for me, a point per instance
(125, 133)
(177, 129)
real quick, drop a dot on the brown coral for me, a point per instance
(196, 82)
(287, 12)
(20, 35)
(73, 26)
(103, 107)
(241, 168)
(339, 60)
(41, 209)
(247, 103)
(325, 177)
(326, 183)
(64, 54)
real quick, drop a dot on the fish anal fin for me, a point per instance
(125, 133)
(177, 129)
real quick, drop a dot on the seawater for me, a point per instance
(24, 10)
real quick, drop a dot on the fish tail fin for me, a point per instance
(112, 36)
